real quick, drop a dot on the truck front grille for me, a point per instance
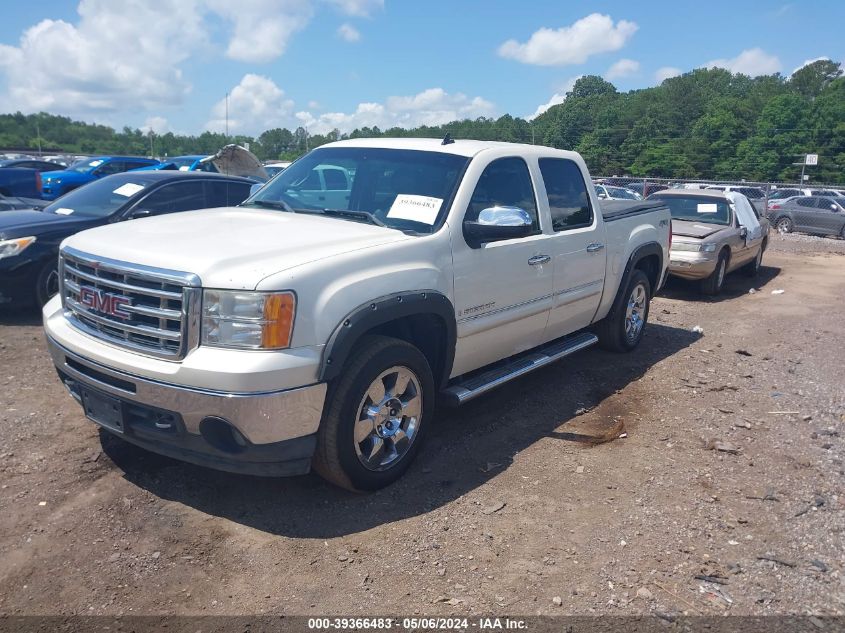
(148, 310)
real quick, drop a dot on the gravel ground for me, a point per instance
(724, 497)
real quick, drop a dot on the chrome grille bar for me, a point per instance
(156, 310)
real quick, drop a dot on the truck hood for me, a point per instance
(232, 247)
(700, 230)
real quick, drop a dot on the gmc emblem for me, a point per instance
(104, 302)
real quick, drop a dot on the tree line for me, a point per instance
(708, 123)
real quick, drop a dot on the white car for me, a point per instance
(294, 331)
(608, 192)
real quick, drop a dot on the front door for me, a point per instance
(503, 290)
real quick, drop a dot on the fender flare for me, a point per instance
(643, 250)
(383, 310)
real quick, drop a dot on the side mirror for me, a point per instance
(498, 223)
(139, 213)
(255, 188)
(602, 196)
(743, 232)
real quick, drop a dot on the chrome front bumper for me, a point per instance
(691, 265)
(265, 419)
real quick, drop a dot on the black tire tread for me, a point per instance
(326, 461)
(709, 284)
(611, 329)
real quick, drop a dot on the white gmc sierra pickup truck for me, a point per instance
(318, 323)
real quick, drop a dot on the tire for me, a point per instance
(622, 330)
(712, 285)
(784, 225)
(355, 462)
(842, 232)
(752, 268)
(47, 283)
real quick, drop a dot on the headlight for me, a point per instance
(694, 247)
(10, 248)
(247, 320)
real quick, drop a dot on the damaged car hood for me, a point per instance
(699, 230)
(234, 160)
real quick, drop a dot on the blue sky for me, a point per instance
(167, 64)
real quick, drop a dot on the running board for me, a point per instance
(473, 386)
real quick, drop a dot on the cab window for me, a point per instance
(567, 192)
(506, 182)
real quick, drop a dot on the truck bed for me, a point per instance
(616, 209)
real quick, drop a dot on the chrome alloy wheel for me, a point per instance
(635, 313)
(388, 418)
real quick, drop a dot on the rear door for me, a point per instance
(804, 214)
(577, 246)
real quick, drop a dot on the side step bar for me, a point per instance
(474, 385)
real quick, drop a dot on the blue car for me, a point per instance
(58, 183)
(183, 163)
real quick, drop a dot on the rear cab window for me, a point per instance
(569, 202)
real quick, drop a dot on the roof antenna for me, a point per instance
(447, 140)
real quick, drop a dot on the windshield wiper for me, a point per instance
(360, 215)
(272, 204)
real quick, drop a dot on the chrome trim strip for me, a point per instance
(577, 288)
(141, 330)
(125, 268)
(152, 292)
(500, 310)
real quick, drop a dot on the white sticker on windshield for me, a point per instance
(708, 208)
(63, 211)
(185, 168)
(96, 163)
(129, 189)
(416, 208)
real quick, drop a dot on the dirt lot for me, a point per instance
(505, 511)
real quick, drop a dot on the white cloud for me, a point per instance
(810, 61)
(752, 62)
(666, 72)
(349, 33)
(429, 107)
(557, 98)
(359, 8)
(622, 68)
(261, 28)
(255, 104)
(118, 55)
(156, 125)
(572, 44)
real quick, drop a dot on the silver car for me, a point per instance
(713, 234)
(811, 214)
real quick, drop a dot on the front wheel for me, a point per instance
(47, 283)
(784, 225)
(376, 415)
(712, 285)
(622, 330)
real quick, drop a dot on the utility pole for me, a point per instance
(38, 134)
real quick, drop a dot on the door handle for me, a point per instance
(594, 247)
(539, 259)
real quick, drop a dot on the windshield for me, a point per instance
(698, 209)
(402, 189)
(100, 198)
(780, 194)
(84, 166)
(621, 193)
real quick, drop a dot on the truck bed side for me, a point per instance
(636, 226)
